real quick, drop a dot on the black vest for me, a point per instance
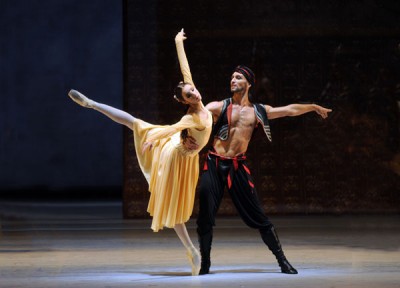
(221, 127)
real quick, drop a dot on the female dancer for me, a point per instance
(170, 169)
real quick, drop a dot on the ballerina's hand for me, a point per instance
(180, 36)
(147, 146)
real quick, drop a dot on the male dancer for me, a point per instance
(234, 122)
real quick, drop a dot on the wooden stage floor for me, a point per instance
(88, 244)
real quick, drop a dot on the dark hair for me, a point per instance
(178, 96)
(178, 91)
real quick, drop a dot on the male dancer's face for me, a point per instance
(238, 83)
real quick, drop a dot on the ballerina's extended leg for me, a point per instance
(114, 114)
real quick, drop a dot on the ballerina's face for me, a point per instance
(190, 94)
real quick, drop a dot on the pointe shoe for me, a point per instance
(195, 260)
(80, 99)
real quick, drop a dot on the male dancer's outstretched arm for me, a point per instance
(296, 110)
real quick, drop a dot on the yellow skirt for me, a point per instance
(172, 177)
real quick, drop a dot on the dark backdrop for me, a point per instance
(49, 145)
(341, 54)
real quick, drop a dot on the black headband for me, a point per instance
(247, 73)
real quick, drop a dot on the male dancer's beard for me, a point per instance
(236, 89)
(250, 95)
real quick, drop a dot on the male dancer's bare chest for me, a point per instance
(243, 119)
(242, 123)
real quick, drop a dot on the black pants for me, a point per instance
(235, 175)
(223, 173)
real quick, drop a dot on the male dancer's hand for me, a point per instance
(147, 146)
(322, 111)
(190, 143)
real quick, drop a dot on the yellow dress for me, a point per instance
(171, 171)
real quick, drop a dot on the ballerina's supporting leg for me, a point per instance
(192, 253)
(114, 114)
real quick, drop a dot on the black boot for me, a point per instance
(205, 241)
(271, 239)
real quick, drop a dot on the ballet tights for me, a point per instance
(115, 114)
(192, 253)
